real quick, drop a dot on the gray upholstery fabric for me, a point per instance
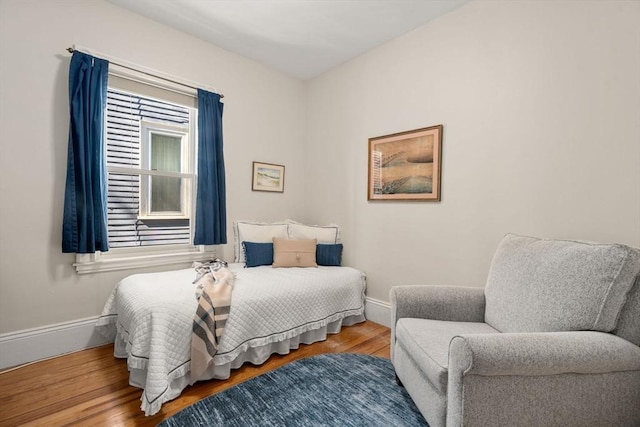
(543, 379)
(537, 285)
(564, 400)
(456, 304)
(544, 353)
(629, 321)
(427, 343)
(453, 303)
(431, 403)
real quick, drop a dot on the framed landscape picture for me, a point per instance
(406, 165)
(268, 177)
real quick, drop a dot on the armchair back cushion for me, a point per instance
(537, 285)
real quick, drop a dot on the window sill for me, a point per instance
(98, 262)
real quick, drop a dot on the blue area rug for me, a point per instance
(326, 390)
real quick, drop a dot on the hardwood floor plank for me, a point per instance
(91, 387)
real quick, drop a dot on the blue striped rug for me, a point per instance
(327, 390)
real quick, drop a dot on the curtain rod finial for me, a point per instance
(70, 49)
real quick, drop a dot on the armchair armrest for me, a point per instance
(558, 368)
(543, 353)
(451, 303)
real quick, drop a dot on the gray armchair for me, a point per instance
(552, 340)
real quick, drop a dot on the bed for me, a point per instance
(149, 318)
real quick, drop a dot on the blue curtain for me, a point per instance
(211, 211)
(84, 224)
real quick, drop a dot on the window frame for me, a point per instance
(144, 256)
(187, 145)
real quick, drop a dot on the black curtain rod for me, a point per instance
(71, 50)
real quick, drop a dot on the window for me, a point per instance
(165, 151)
(150, 156)
(149, 166)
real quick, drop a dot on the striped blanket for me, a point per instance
(214, 302)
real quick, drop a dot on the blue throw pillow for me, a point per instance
(258, 253)
(330, 255)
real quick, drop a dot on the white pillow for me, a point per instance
(322, 233)
(258, 232)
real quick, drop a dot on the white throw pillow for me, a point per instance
(322, 233)
(257, 232)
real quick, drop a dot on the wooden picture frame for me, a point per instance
(406, 165)
(268, 177)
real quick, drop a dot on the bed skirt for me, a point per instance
(257, 355)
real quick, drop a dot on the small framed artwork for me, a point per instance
(268, 177)
(406, 165)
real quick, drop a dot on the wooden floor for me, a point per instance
(91, 387)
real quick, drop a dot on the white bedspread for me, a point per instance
(149, 316)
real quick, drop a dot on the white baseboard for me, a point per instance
(17, 348)
(377, 311)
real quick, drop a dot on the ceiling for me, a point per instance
(302, 38)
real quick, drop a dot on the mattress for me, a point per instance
(273, 310)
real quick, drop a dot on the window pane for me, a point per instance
(166, 194)
(166, 152)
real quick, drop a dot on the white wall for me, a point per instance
(264, 120)
(540, 103)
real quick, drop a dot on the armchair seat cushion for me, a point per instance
(427, 343)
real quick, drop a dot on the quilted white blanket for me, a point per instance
(150, 315)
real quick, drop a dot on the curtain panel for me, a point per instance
(211, 215)
(84, 226)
